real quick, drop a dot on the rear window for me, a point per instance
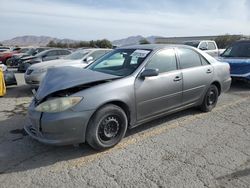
(189, 58)
(238, 50)
(211, 46)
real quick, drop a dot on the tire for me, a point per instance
(107, 127)
(210, 99)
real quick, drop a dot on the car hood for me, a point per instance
(48, 64)
(235, 60)
(62, 78)
(238, 66)
(69, 63)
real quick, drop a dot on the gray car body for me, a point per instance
(143, 99)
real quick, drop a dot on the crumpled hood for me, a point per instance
(48, 64)
(62, 78)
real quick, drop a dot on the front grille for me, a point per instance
(29, 71)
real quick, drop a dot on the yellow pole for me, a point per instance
(2, 84)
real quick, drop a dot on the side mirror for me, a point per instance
(203, 48)
(89, 59)
(149, 73)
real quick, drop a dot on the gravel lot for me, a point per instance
(187, 149)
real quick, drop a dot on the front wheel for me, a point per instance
(107, 127)
(210, 99)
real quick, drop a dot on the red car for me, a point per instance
(4, 56)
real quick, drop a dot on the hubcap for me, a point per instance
(109, 128)
(211, 98)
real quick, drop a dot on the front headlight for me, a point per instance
(58, 105)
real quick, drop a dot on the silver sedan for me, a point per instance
(125, 88)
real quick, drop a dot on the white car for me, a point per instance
(80, 58)
(4, 67)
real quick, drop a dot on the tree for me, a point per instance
(144, 41)
(225, 40)
(51, 44)
(88, 44)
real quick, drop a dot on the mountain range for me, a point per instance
(30, 40)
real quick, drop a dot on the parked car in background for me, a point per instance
(238, 56)
(80, 58)
(208, 46)
(4, 56)
(4, 48)
(46, 55)
(16, 59)
(9, 76)
(124, 88)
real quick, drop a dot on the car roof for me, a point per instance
(242, 41)
(154, 46)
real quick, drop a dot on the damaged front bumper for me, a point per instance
(61, 128)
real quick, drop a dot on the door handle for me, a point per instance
(209, 71)
(177, 78)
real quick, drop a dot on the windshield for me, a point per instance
(120, 62)
(24, 50)
(194, 44)
(31, 51)
(77, 55)
(237, 50)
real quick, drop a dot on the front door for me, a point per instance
(158, 94)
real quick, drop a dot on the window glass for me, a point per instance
(52, 53)
(164, 60)
(97, 54)
(120, 62)
(115, 60)
(211, 46)
(204, 61)
(238, 50)
(63, 52)
(189, 58)
(203, 46)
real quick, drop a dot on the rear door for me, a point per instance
(158, 94)
(197, 74)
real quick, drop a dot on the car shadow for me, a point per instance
(18, 91)
(21, 153)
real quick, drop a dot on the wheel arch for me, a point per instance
(218, 85)
(118, 103)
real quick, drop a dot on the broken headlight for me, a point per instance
(58, 104)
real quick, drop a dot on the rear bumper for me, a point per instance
(245, 76)
(226, 85)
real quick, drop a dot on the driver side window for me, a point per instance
(163, 60)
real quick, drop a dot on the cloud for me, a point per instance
(114, 19)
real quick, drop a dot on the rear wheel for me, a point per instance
(107, 127)
(210, 99)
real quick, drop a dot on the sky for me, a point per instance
(116, 19)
